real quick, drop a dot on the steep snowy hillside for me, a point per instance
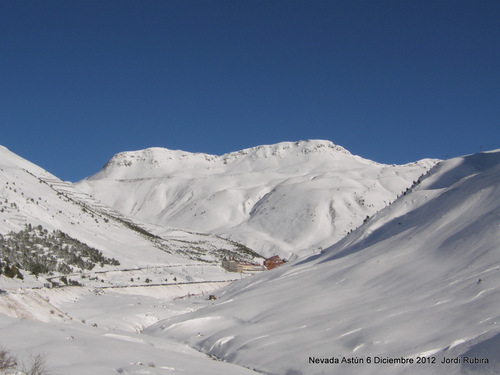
(287, 198)
(51, 235)
(417, 285)
(45, 222)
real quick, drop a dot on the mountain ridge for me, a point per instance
(284, 198)
(158, 157)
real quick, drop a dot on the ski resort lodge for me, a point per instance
(236, 266)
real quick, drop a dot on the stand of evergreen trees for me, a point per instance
(36, 250)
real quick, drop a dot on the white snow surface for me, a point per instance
(31, 195)
(290, 198)
(94, 329)
(81, 349)
(420, 278)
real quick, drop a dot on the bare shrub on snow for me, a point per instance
(7, 362)
(36, 366)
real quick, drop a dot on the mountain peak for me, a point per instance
(154, 160)
(157, 161)
(287, 148)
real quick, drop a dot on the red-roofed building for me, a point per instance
(273, 262)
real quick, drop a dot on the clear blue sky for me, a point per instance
(392, 81)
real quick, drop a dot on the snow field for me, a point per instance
(420, 278)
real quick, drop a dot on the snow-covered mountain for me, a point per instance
(45, 212)
(287, 198)
(420, 279)
(93, 328)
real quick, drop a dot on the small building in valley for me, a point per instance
(233, 265)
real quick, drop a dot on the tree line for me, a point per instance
(38, 251)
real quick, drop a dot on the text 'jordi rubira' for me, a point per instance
(471, 360)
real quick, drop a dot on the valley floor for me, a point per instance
(90, 330)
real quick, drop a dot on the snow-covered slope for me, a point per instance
(93, 329)
(287, 198)
(32, 196)
(421, 278)
(78, 349)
